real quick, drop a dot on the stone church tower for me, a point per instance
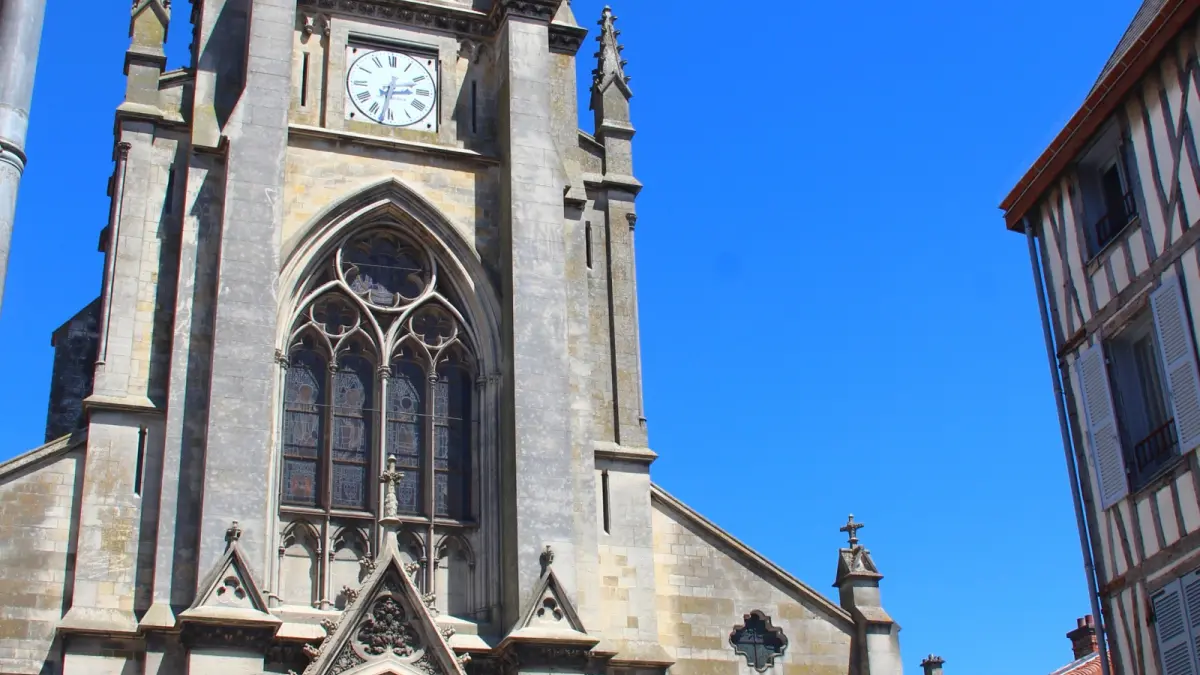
(361, 392)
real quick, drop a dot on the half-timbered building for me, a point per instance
(361, 390)
(1111, 211)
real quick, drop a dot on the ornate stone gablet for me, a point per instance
(388, 620)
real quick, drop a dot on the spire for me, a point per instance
(611, 67)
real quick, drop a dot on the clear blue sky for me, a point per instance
(834, 319)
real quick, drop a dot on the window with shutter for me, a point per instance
(1144, 419)
(1103, 439)
(1179, 360)
(1172, 628)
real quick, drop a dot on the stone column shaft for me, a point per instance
(20, 37)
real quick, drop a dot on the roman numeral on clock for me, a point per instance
(363, 95)
(377, 61)
(392, 60)
(418, 105)
(423, 92)
(418, 78)
(374, 108)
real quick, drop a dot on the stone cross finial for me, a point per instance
(546, 558)
(233, 534)
(389, 479)
(852, 529)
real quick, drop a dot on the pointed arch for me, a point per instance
(391, 201)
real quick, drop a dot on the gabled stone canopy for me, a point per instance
(550, 616)
(229, 594)
(389, 628)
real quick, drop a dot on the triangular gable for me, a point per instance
(389, 623)
(229, 593)
(550, 616)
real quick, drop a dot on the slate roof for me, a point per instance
(1141, 20)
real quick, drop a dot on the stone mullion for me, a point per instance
(428, 475)
(385, 377)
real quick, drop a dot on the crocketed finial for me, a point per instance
(611, 65)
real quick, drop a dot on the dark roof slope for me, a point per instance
(1141, 20)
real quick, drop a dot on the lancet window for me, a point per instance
(378, 365)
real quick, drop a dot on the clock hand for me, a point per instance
(387, 98)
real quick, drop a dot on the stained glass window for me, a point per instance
(303, 426)
(451, 454)
(376, 301)
(352, 393)
(406, 417)
(382, 270)
(758, 641)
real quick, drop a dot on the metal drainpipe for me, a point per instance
(1065, 430)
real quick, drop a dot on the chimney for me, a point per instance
(1083, 638)
(933, 665)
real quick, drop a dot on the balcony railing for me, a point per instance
(1111, 223)
(1153, 452)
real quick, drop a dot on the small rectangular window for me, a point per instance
(140, 465)
(169, 200)
(474, 107)
(587, 243)
(304, 79)
(606, 511)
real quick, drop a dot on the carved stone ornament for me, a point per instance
(388, 630)
(421, 15)
(531, 9)
(758, 641)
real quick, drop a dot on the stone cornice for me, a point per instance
(623, 453)
(130, 404)
(564, 38)
(334, 135)
(455, 20)
(542, 10)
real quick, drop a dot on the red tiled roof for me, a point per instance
(1088, 665)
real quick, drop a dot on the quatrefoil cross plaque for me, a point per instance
(758, 641)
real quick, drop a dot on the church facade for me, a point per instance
(361, 391)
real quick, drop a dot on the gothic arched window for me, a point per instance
(378, 365)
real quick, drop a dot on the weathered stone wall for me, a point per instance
(321, 173)
(705, 586)
(74, 366)
(39, 507)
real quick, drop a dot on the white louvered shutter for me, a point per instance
(1171, 631)
(1107, 458)
(1179, 361)
(1191, 603)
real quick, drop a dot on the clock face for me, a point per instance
(391, 88)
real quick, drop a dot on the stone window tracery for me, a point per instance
(378, 365)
